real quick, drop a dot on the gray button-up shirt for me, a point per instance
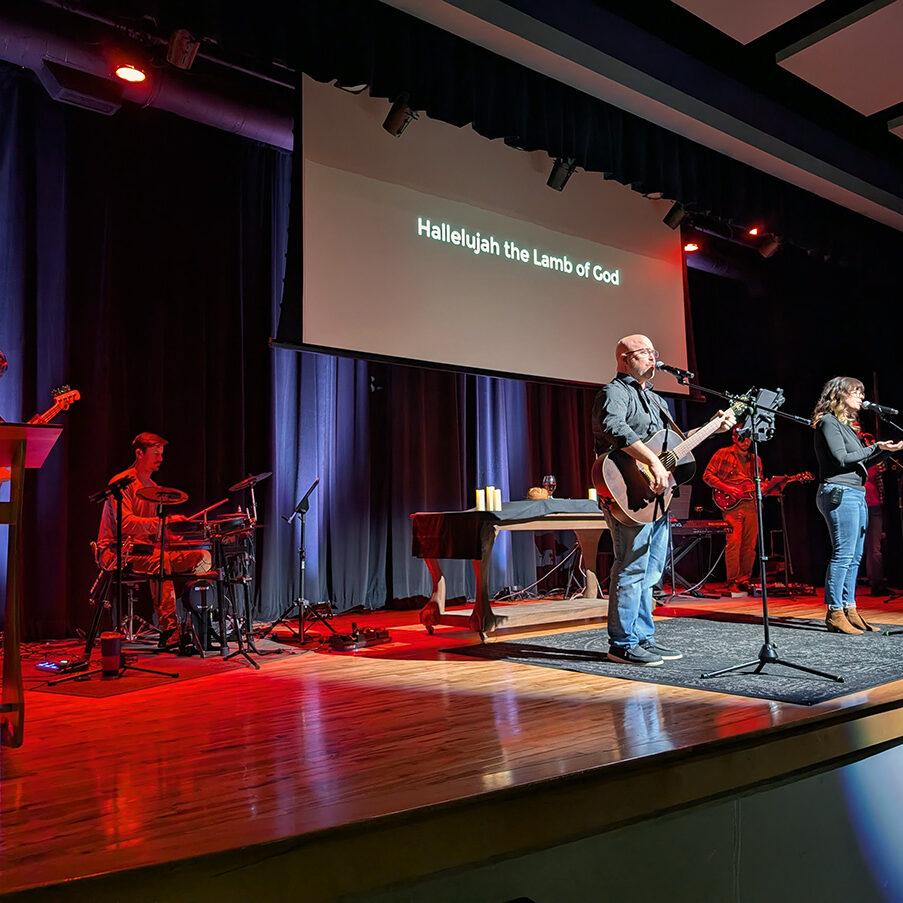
(624, 413)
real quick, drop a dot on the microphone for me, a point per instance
(676, 371)
(882, 410)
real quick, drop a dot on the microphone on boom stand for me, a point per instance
(882, 410)
(675, 371)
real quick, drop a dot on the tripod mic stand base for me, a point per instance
(768, 655)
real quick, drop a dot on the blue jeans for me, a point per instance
(639, 562)
(846, 514)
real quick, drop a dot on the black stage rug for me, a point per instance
(708, 644)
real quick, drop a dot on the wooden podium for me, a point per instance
(21, 445)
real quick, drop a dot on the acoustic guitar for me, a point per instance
(62, 397)
(625, 484)
(746, 490)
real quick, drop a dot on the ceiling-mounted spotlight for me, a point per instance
(770, 244)
(562, 169)
(400, 116)
(129, 73)
(691, 247)
(675, 216)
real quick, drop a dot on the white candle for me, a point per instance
(593, 495)
(481, 500)
(497, 500)
(490, 498)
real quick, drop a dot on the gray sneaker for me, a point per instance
(634, 655)
(669, 655)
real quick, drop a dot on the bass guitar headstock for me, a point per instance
(63, 396)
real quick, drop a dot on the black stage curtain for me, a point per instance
(137, 267)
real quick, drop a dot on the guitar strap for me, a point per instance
(668, 418)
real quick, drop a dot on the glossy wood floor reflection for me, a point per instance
(320, 740)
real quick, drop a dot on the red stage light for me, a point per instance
(130, 73)
(690, 247)
(754, 231)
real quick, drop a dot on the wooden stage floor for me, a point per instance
(379, 757)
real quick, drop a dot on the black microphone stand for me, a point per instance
(760, 419)
(300, 511)
(113, 491)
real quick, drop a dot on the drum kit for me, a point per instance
(230, 540)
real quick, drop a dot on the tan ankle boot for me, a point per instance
(836, 621)
(857, 620)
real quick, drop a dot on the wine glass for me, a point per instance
(549, 483)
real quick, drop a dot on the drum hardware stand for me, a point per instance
(304, 607)
(243, 622)
(162, 496)
(243, 580)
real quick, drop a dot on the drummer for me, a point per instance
(140, 524)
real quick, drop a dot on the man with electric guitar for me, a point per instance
(731, 474)
(639, 462)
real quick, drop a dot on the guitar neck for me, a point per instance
(703, 433)
(47, 416)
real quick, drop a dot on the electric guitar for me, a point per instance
(62, 397)
(727, 501)
(625, 484)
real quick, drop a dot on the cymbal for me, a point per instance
(162, 495)
(248, 482)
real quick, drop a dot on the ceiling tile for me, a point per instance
(746, 21)
(860, 64)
